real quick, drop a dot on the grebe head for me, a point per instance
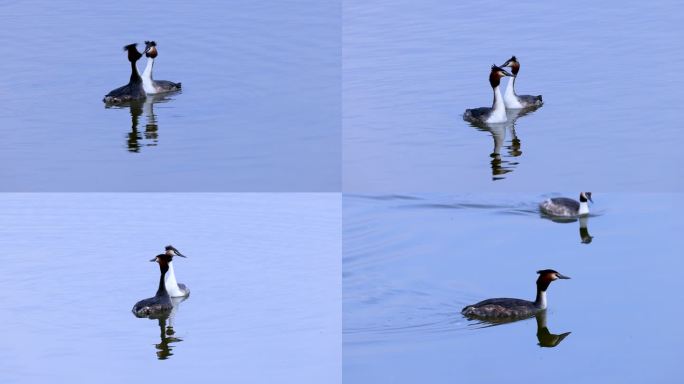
(496, 74)
(133, 54)
(163, 260)
(513, 64)
(584, 196)
(171, 252)
(151, 49)
(546, 276)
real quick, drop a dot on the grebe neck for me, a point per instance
(510, 88)
(135, 76)
(498, 100)
(147, 73)
(161, 291)
(540, 301)
(498, 108)
(584, 208)
(171, 279)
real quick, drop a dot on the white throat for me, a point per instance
(584, 208)
(498, 108)
(147, 77)
(171, 284)
(541, 298)
(510, 98)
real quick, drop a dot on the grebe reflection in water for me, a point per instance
(501, 165)
(149, 137)
(167, 333)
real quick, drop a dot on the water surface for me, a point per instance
(607, 71)
(412, 262)
(259, 110)
(263, 270)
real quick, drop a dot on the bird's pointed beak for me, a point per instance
(562, 276)
(153, 260)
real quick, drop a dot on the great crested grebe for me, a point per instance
(155, 86)
(505, 309)
(172, 287)
(160, 304)
(134, 89)
(512, 100)
(497, 113)
(566, 207)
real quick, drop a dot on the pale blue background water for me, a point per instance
(260, 108)
(412, 262)
(263, 270)
(609, 72)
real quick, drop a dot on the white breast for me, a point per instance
(171, 284)
(510, 99)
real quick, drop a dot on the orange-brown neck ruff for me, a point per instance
(543, 281)
(494, 79)
(152, 53)
(515, 67)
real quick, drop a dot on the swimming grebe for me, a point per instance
(512, 100)
(160, 304)
(134, 89)
(172, 287)
(155, 86)
(511, 309)
(497, 113)
(566, 207)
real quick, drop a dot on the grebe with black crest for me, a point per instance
(511, 99)
(566, 207)
(505, 309)
(160, 304)
(134, 89)
(497, 113)
(150, 85)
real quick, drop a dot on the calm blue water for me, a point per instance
(608, 73)
(263, 270)
(412, 262)
(260, 108)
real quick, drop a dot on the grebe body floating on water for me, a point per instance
(497, 113)
(160, 304)
(174, 288)
(512, 100)
(566, 207)
(505, 309)
(155, 86)
(134, 89)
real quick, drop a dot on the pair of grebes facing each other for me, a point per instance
(139, 87)
(507, 309)
(160, 304)
(509, 100)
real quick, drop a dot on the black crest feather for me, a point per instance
(543, 271)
